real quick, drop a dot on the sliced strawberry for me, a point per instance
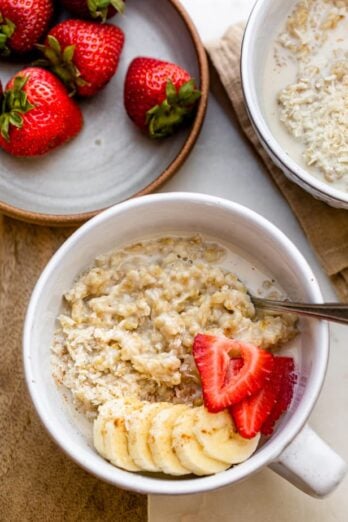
(234, 367)
(286, 366)
(259, 412)
(222, 383)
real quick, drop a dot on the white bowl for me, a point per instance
(254, 236)
(261, 28)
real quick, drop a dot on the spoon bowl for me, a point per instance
(336, 312)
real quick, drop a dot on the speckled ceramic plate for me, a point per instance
(110, 160)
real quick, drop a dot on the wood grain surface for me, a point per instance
(38, 483)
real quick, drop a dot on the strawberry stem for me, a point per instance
(178, 106)
(99, 8)
(14, 104)
(7, 28)
(61, 63)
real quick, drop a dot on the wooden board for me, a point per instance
(37, 481)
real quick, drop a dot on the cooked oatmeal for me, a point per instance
(130, 321)
(313, 105)
(310, 25)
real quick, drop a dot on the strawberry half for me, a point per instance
(159, 96)
(84, 55)
(23, 23)
(227, 380)
(285, 366)
(260, 411)
(94, 9)
(37, 114)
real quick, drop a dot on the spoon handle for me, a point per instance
(337, 312)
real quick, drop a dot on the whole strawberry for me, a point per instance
(84, 55)
(23, 23)
(94, 9)
(159, 96)
(37, 114)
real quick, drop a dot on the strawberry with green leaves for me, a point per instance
(84, 55)
(22, 24)
(94, 9)
(159, 96)
(37, 114)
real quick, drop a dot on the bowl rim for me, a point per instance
(42, 218)
(270, 452)
(260, 123)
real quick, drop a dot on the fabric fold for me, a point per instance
(37, 481)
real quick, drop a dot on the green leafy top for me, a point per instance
(7, 28)
(15, 103)
(164, 119)
(61, 62)
(99, 8)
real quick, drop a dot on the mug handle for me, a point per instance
(310, 464)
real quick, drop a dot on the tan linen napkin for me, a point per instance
(325, 227)
(38, 483)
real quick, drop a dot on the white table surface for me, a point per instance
(224, 165)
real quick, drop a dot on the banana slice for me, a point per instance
(99, 434)
(105, 413)
(219, 439)
(116, 437)
(188, 449)
(138, 426)
(160, 440)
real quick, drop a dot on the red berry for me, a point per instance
(222, 384)
(260, 411)
(84, 55)
(94, 9)
(158, 96)
(23, 23)
(38, 114)
(234, 367)
(285, 367)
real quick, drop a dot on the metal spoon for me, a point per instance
(337, 312)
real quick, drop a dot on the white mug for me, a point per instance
(259, 34)
(294, 450)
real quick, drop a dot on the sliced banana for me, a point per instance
(160, 440)
(219, 439)
(105, 413)
(174, 439)
(188, 449)
(99, 434)
(116, 437)
(138, 424)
